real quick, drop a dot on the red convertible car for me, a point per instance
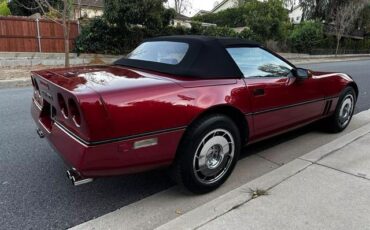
(185, 102)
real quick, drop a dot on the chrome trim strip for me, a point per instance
(47, 130)
(71, 135)
(94, 143)
(290, 106)
(37, 104)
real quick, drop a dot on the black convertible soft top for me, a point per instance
(206, 57)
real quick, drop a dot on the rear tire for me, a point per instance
(343, 112)
(207, 154)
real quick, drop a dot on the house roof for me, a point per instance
(90, 3)
(206, 58)
(219, 5)
(181, 17)
(201, 12)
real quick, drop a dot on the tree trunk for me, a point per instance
(66, 33)
(66, 46)
(338, 43)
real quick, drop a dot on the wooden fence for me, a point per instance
(21, 34)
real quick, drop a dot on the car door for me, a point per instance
(279, 100)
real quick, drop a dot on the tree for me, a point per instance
(265, 20)
(27, 7)
(124, 24)
(290, 4)
(268, 20)
(181, 6)
(61, 10)
(148, 13)
(315, 9)
(4, 9)
(344, 18)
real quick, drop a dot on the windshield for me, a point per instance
(165, 52)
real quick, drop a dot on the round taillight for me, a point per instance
(62, 105)
(75, 112)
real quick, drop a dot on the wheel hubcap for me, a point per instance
(213, 156)
(346, 110)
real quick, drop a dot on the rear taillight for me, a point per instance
(74, 112)
(63, 105)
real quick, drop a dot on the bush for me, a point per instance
(101, 37)
(269, 20)
(306, 36)
(4, 10)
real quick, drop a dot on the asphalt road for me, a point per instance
(359, 70)
(34, 191)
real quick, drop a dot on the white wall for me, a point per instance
(88, 12)
(181, 23)
(296, 15)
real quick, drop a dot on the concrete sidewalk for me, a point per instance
(328, 188)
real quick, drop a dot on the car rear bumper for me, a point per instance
(110, 158)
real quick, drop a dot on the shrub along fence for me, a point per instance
(21, 34)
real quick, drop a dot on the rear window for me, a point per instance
(164, 52)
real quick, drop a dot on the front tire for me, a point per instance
(208, 154)
(343, 112)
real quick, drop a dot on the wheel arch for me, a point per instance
(355, 87)
(233, 113)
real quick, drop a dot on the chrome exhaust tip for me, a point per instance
(40, 133)
(75, 177)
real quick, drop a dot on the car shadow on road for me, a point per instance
(258, 147)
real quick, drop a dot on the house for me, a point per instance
(295, 12)
(181, 20)
(87, 8)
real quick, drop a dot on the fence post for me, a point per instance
(38, 34)
(78, 27)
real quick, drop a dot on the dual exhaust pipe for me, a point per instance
(75, 177)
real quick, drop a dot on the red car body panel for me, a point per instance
(120, 106)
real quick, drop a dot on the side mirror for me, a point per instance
(302, 73)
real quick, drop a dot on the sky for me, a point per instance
(197, 5)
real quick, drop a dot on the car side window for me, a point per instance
(257, 62)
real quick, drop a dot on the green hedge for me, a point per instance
(99, 36)
(306, 36)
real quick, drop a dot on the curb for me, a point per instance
(24, 82)
(326, 60)
(237, 197)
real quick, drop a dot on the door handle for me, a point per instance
(258, 92)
